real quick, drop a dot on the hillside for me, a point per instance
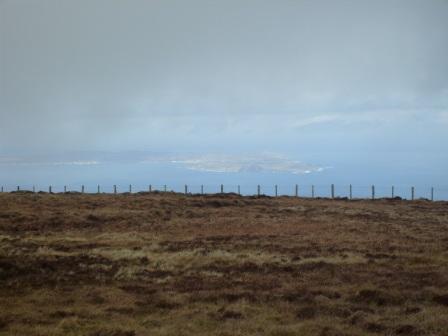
(170, 264)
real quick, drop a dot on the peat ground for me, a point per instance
(170, 264)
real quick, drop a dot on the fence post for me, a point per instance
(49, 190)
(222, 188)
(351, 191)
(115, 189)
(186, 189)
(258, 190)
(130, 188)
(393, 192)
(373, 192)
(98, 191)
(202, 189)
(412, 193)
(312, 191)
(332, 191)
(432, 194)
(276, 191)
(297, 190)
(239, 190)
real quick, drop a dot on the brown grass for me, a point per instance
(168, 264)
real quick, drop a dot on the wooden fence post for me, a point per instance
(332, 191)
(297, 190)
(432, 193)
(393, 191)
(373, 192)
(312, 191)
(412, 193)
(276, 191)
(351, 191)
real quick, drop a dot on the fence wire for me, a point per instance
(308, 191)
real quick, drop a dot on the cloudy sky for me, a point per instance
(327, 82)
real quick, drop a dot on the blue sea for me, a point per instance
(361, 175)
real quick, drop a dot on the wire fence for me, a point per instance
(296, 190)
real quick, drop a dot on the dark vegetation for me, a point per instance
(168, 264)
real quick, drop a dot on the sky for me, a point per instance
(355, 89)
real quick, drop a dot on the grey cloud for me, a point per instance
(103, 74)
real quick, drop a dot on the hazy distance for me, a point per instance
(359, 88)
